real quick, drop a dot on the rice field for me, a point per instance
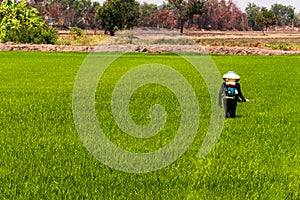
(43, 157)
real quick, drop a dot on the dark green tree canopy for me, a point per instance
(265, 18)
(252, 10)
(284, 14)
(118, 14)
(186, 9)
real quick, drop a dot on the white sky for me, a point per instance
(242, 3)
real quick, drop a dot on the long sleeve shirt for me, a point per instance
(239, 96)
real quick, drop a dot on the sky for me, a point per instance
(243, 3)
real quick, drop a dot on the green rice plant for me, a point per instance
(42, 156)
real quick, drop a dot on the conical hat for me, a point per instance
(231, 75)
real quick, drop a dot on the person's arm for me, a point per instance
(238, 87)
(221, 93)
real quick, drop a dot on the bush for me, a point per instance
(21, 24)
(36, 35)
(76, 33)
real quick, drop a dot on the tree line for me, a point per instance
(115, 15)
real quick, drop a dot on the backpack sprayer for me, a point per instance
(231, 79)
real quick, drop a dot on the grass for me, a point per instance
(128, 37)
(168, 41)
(80, 38)
(42, 157)
(285, 46)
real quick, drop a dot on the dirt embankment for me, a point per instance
(145, 40)
(157, 48)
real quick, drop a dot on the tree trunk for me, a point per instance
(181, 26)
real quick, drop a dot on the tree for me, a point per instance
(56, 12)
(284, 14)
(89, 17)
(223, 15)
(186, 9)
(147, 13)
(75, 12)
(195, 7)
(118, 14)
(181, 8)
(297, 20)
(22, 24)
(164, 19)
(265, 18)
(68, 13)
(252, 10)
(238, 19)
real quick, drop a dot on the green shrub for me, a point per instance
(36, 35)
(21, 24)
(76, 33)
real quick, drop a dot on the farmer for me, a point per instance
(231, 93)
